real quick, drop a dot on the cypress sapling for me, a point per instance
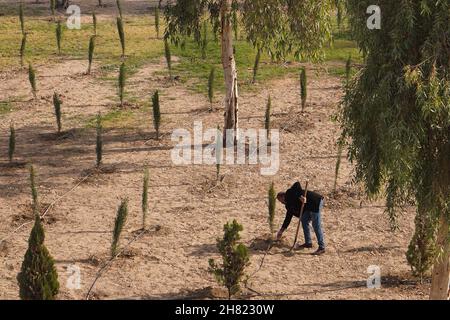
(58, 36)
(12, 142)
(272, 205)
(34, 192)
(256, 65)
(57, 104)
(22, 48)
(121, 35)
(303, 88)
(94, 22)
(32, 79)
(91, 53)
(119, 223)
(37, 279)
(235, 259)
(99, 140)
(121, 83)
(145, 198)
(156, 113)
(211, 86)
(168, 57)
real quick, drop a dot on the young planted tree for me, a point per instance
(156, 113)
(99, 140)
(212, 76)
(303, 88)
(94, 22)
(38, 279)
(34, 192)
(303, 26)
(22, 48)
(12, 142)
(57, 105)
(256, 65)
(119, 223)
(157, 18)
(168, 56)
(91, 52)
(58, 32)
(121, 83)
(267, 116)
(235, 258)
(145, 198)
(32, 80)
(100, 3)
(395, 117)
(121, 35)
(272, 201)
(21, 18)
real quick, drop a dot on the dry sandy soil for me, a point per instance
(188, 210)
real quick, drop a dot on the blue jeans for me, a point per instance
(316, 218)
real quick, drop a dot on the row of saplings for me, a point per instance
(38, 278)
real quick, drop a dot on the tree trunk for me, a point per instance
(441, 269)
(229, 68)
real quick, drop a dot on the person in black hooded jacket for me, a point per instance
(293, 199)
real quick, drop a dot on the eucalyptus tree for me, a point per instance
(396, 116)
(303, 28)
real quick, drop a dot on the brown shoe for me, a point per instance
(319, 252)
(303, 246)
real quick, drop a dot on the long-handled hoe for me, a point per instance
(300, 217)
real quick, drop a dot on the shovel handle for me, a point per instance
(300, 217)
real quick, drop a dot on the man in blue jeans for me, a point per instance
(292, 200)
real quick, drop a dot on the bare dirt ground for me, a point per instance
(187, 210)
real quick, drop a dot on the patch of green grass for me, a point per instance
(114, 119)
